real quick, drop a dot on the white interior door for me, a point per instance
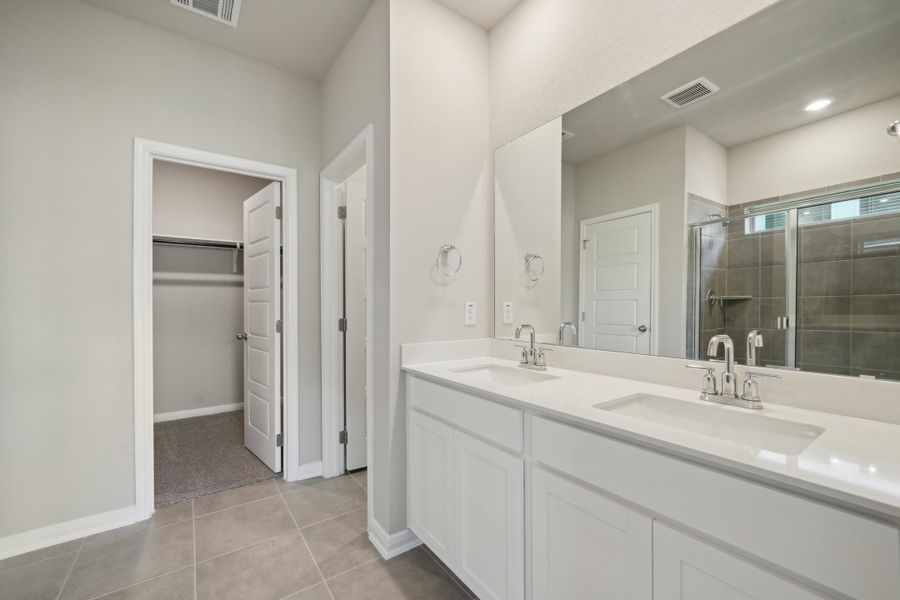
(262, 314)
(617, 283)
(355, 298)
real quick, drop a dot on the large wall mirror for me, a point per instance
(748, 186)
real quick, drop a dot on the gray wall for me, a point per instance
(355, 94)
(197, 300)
(78, 84)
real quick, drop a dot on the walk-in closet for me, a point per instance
(201, 304)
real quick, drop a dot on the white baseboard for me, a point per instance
(394, 544)
(197, 412)
(35, 539)
(306, 471)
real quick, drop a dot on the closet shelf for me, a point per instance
(176, 277)
(177, 240)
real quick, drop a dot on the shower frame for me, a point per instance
(791, 210)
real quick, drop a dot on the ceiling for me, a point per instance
(484, 13)
(303, 37)
(768, 67)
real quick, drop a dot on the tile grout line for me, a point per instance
(359, 566)
(250, 545)
(71, 568)
(221, 510)
(194, 536)
(305, 544)
(137, 583)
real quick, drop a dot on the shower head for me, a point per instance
(894, 129)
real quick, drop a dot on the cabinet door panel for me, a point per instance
(584, 546)
(490, 525)
(685, 568)
(430, 455)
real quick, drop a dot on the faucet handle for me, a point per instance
(752, 374)
(751, 389)
(709, 381)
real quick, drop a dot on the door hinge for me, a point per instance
(279, 440)
(582, 316)
(278, 326)
(584, 244)
(342, 212)
(342, 437)
(278, 212)
(342, 324)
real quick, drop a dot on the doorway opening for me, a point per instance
(215, 323)
(347, 193)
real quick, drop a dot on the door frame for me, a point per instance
(360, 151)
(653, 209)
(145, 152)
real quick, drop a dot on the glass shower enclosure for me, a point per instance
(811, 284)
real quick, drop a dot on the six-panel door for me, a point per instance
(585, 546)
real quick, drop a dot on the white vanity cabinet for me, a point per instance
(606, 518)
(466, 493)
(684, 568)
(583, 545)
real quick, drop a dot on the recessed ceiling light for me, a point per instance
(818, 104)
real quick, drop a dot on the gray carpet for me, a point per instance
(203, 455)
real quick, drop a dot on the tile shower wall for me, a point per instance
(848, 304)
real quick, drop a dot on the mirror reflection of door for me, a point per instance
(617, 282)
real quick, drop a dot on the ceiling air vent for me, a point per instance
(690, 92)
(223, 11)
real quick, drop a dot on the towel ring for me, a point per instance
(534, 266)
(444, 264)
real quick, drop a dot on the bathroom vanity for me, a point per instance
(561, 484)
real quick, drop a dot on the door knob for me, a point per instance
(242, 336)
(642, 328)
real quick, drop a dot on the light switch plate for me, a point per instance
(507, 313)
(471, 316)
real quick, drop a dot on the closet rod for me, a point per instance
(197, 242)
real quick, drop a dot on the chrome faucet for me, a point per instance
(728, 387)
(532, 358)
(750, 397)
(562, 332)
(754, 341)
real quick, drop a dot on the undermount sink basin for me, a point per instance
(503, 375)
(749, 429)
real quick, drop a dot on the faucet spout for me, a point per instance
(728, 385)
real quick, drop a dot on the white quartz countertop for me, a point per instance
(854, 462)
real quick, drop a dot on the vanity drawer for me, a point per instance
(841, 550)
(494, 421)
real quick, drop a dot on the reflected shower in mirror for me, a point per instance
(748, 186)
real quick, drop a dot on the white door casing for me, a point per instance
(262, 311)
(355, 310)
(618, 281)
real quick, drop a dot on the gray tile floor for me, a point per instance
(267, 541)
